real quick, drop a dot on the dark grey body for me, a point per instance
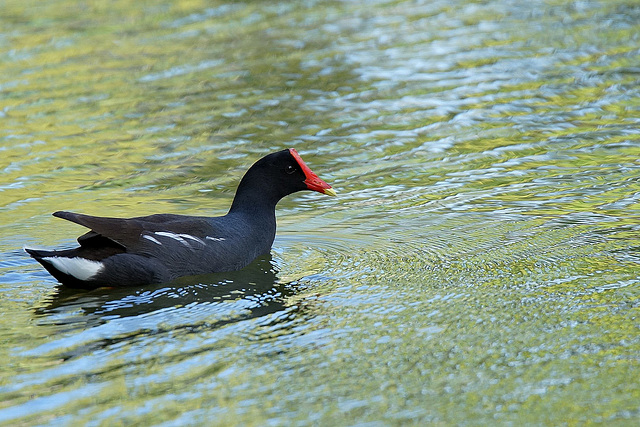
(224, 243)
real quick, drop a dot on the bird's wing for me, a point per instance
(130, 233)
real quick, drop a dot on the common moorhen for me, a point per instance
(160, 248)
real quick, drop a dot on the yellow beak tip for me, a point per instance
(330, 192)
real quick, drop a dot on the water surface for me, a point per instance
(480, 265)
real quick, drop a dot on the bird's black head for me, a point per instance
(275, 176)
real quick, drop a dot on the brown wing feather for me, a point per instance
(124, 232)
(127, 232)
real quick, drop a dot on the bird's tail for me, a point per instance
(67, 266)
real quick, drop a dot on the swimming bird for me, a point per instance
(163, 247)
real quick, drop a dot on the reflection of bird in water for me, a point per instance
(256, 288)
(103, 318)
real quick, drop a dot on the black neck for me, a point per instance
(254, 197)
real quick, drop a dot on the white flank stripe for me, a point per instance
(215, 239)
(189, 236)
(173, 236)
(80, 268)
(153, 239)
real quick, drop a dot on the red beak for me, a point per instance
(312, 181)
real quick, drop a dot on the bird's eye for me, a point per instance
(290, 169)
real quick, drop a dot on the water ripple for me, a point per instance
(483, 247)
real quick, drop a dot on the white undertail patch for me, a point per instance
(80, 268)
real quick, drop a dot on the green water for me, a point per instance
(481, 264)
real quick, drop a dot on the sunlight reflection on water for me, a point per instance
(480, 262)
